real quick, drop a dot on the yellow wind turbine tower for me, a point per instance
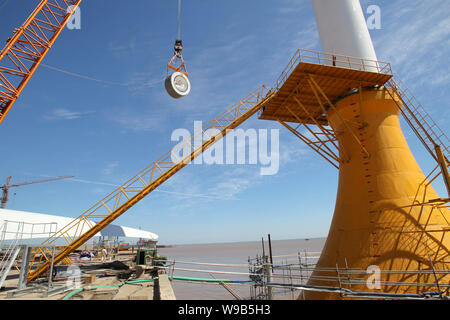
(389, 229)
(384, 216)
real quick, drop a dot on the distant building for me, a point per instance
(27, 225)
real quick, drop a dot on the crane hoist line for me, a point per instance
(177, 84)
(27, 47)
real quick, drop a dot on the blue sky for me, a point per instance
(106, 131)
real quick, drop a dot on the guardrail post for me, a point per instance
(444, 168)
(24, 267)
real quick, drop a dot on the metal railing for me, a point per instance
(12, 236)
(331, 59)
(19, 230)
(8, 254)
(291, 275)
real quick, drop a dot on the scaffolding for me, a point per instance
(287, 277)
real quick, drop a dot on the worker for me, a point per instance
(104, 254)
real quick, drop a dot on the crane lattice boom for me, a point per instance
(25, 50)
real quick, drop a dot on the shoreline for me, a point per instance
(237, 242)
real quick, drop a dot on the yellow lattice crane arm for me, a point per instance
(135, 189)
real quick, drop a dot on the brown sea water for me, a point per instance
(228, 253)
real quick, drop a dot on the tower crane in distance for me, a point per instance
(5, 188)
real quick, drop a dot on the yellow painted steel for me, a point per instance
(379, 217)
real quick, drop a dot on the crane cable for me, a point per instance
(178, 48)
(179, 20)
(177, 83)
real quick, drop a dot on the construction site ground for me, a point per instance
(99, 280)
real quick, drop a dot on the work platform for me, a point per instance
(311, 76)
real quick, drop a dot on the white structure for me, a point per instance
(343, 28)
(37, 225)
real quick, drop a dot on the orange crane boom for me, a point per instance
(26, 49)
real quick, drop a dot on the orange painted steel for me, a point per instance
(337, 81)
(377, 221)
(181, 68)
(425, 128)
(319, 145)
(126, 196)
(387, 213)
(26, 49)
(306, 90)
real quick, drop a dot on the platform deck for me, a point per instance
(336, 81)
